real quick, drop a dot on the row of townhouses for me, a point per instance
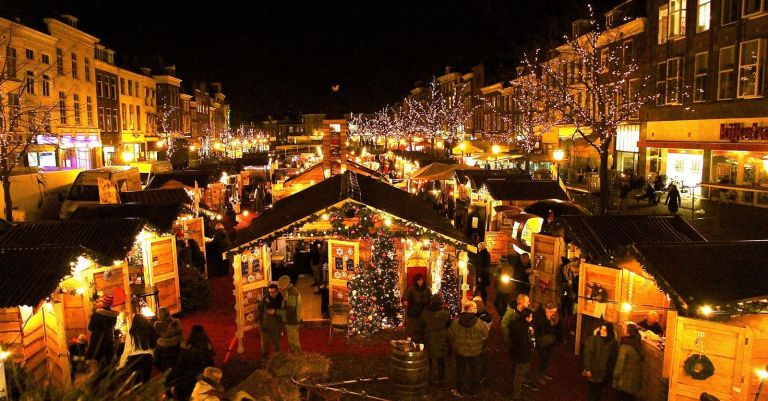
(707, 126)
(82, 110)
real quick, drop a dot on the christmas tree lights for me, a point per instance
(449, 289)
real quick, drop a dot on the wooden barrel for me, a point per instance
(409, 373)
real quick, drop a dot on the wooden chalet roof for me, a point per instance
(524, 189)
(600, 236)
(478, 177)
(108, 239)
(156, 196)
(159, 216)
(707, 273)
(30, 274)
(347, 186)
(188, 178)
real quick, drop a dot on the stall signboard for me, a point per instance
(161, 271)
(496, 242)
(343, 259)
(253, 272)
(107, 191)
(546, 254)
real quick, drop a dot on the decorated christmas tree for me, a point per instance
(374, 300)
(383, 260)
(449, 289)
(364, 316)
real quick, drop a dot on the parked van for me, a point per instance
(85, 189)
(149, 168)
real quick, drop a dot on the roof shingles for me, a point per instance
(29, 275)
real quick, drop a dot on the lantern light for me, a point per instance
(706, 310)
(558, 155)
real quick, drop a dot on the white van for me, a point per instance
(85, 189)
(150, 168)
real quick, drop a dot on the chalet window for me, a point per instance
(700, 70)
(753, 8)
(676, 19)
(751, 63)
(703, 15)
(729, 11)
(726, 73)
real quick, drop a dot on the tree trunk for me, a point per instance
(7, 198)
(528, 163)
(605, 184)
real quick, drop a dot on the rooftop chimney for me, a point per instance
(146, 71)
(448, 69)
(216, 86)
(69, 20)
(170, 70)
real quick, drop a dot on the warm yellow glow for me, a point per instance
(558, 155)
(219, 217)
(505, 278)
(217, 146)
(706, 310)
(127, 156)
(765, 162)
(626, 307)
(462, 265)
(236, 142)
(325, 217)
(192, 148)
(144, 235)
(81, 265)
(425, 242)
(762, 374)
(495, 149)
(147, 312)
(4, 354)
(80, 290)
(387, 222)
(246, 213)
(224, 178)
(160, 144)
(463, 146)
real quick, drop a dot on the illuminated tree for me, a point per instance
(449, 289)
(23, 115)
(171, 137)
(595, 87)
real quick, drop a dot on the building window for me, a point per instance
(138, 118)
(30, 82)
(122, 86)
(76, 108)
(700, 69)
(136, 88)
(130, 88)
(124, 115)
(102, 123)
(114, 125)
(752, 7)
(703, 15)
(14, 107)
(661, 82)
(674, 79)
(729, 11)
(63, 108)
(46, 85)
(663, 24)
(633, 91)
(87, 65)
(726, 73)
(629, 52)
(130, 117)
(74, 65)
(676, 19)
(30, 54)
(10, 69)
(59, 61)
(89, 110)
(604, 56)
(45, 59)
(99, 89)
(113, 89)
(751, 68)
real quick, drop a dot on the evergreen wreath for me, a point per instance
(699, 367)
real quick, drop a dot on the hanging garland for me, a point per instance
(699, 367)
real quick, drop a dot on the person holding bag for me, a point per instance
(545, 324)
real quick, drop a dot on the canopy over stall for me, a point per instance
(160, 217)
(156, 196)
(439, 171)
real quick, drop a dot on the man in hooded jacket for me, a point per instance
(468, 334)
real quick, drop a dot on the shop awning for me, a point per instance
(707, 273)
(438, 171)
(109, 239)
(601, 236)
(30, 274)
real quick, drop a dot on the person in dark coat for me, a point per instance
(270, 322)
(522, 343)
(468, 335)
(169, 338)
(198, 258)
(600, 353)
(417, 298)
(102, 327)
(628, 372)
(521, 274)
(482, 265)
(436, 323)
(220, 245)
(545, 322)
(196, 354)
(673, 199)
(651, 323)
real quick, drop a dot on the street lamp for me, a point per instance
(765, 162)
(558, 155)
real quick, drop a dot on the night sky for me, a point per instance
(277, 56)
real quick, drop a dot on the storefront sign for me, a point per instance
(496, 242)
(734, 132)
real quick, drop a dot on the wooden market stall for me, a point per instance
(344, 211)
(212, 183)
(131, 256)
(719, 290)
(32, 317)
